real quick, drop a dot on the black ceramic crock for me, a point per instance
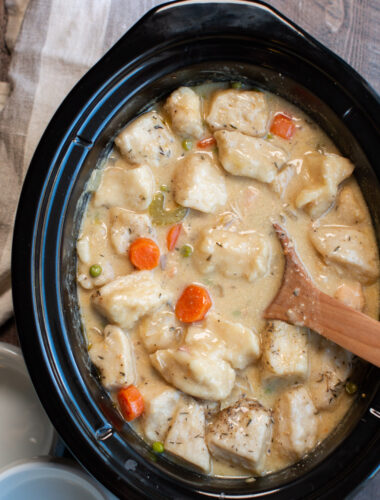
(177, 43)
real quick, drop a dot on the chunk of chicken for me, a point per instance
(233, 254)
(351, 295)
(160, 405)
(199, 373)
(126, 226)
(186, 437)
(295, 423)
(348, 209)
(241, 434)
(352, 252)
(311, 182)
(128, 298)
(199, 183)
(330, 366)
(113, 356)
(244, 110)
(285, 352)
(160, 330)
(148, 140)
(249, 156)
(184, 108)
(233, 342)
(127, 188)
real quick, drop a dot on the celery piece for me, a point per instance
(162, 217)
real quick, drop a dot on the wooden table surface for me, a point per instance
(350, 28)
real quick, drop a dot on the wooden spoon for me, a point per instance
(299, 302)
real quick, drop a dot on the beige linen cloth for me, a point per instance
(58, 41)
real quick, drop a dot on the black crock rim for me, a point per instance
(29, 228)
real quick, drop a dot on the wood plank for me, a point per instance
(350, 28)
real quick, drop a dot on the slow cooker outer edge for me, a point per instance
(26, 231)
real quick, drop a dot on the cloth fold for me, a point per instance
(58, 42)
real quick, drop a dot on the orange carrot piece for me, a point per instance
(206, 143)
(173, 235)
(193, 304)
(131, 402)
(283, 126)
(144, 254)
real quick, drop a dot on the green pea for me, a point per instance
(158, 447)
(187, 144)
(269, 136)
(186, 250)
(236, 85)
(95, 270)
(351, 387)
(164, 188)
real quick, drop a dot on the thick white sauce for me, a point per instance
(251, 207)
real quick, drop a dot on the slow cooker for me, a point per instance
(183, 42)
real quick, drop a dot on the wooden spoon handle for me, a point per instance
(334, 320)
(350, 329)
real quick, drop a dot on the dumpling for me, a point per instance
(241, 434)
(242, 110)
(148, 140)
(160, 405)
(186, 436)
(348, 210)
(130, 188)
(92, 249)
(285, 351)
(351, 251)
(184, 108)
(242, 343)
(249, 156)
(196, 372)
(126, 226)
(160, 330)
(295, 423)
(330, 366)
(126, 299)
(199, 183)
(233, 254)
(113, 355)
(311, 182)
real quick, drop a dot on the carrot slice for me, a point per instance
(173, 235)
(193, 304)
(283, 126)
(131, 402)
(205, 143)
(144, 253)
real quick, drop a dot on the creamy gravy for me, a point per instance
(252, 206)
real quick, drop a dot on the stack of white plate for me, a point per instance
(28, 443)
